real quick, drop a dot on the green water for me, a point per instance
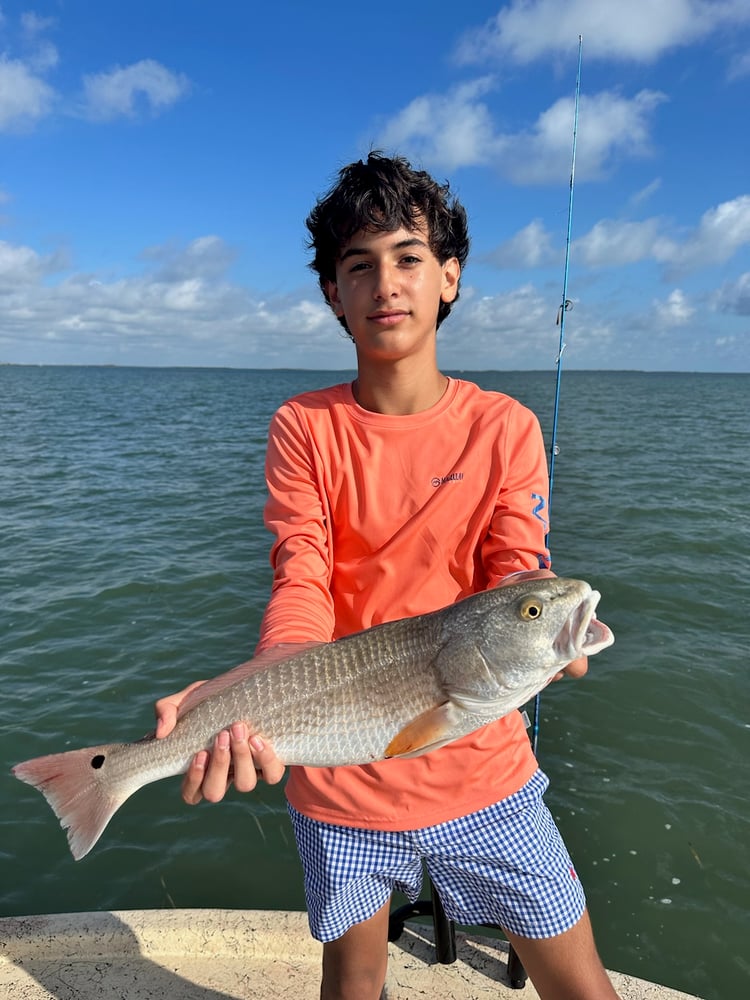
(133, 559)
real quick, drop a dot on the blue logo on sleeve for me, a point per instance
(540, 506)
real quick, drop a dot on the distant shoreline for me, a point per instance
(351, 371)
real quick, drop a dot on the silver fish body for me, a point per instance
(397, 689)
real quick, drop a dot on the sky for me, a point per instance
(158, 160)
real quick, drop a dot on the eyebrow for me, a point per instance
(412, 241)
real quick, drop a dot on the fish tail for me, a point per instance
(79, 790)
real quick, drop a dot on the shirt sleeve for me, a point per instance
(300, 607)
(517, 538)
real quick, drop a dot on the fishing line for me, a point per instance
(565, 306)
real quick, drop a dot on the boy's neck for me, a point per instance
(399, 390)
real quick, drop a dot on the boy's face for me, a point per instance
(388, 288)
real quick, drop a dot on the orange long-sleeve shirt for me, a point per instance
(378, 517)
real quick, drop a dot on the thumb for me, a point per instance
(165, 721)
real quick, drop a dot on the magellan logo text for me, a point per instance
(454, 477)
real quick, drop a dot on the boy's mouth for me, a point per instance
(387, 317)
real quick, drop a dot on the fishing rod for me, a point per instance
(565, 305)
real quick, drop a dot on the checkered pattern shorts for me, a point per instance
(504, 865)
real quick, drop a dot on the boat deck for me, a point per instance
(235, 955)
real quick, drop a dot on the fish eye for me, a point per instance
(531, 609)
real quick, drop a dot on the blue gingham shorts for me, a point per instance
(505, 865)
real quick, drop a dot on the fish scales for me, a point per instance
(363, 686)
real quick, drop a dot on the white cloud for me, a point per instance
(675, 310)
(614, 126)
(33, 24)
(517, 329)
(206, 256)
(734, 296)
(739, 66)
(496, 331)
(124, 91)
(645, 193)
(453, 129)
(24, 96)
(43, 55)
(20, 266)
(720, 233)
(44, 58)
(639, 30)
(610, 242)
(718, 236)
(181, 309)
(456, 130)
(530, 247)
(613, 242)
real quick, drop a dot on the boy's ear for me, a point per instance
(451, 275)
(332, 295)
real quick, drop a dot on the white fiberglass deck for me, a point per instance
(234, 955)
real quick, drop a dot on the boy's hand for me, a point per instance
(167, 710)
(576, 668)
(234, 757)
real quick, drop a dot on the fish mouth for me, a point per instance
(583, 634)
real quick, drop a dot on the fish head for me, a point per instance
(543, 622)
(519, 635)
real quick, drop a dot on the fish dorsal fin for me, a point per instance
(425, 732)
(268, 658)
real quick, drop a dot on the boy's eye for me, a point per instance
(408, 260)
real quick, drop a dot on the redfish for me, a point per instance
(398, 689)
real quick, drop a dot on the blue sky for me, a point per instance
(157, 161)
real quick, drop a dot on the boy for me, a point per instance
(394, 496)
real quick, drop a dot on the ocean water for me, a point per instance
(133, 559)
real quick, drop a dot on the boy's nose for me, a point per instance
(386, 283)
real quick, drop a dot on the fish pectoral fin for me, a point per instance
(423, 732)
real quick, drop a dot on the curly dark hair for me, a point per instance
(383, 194)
